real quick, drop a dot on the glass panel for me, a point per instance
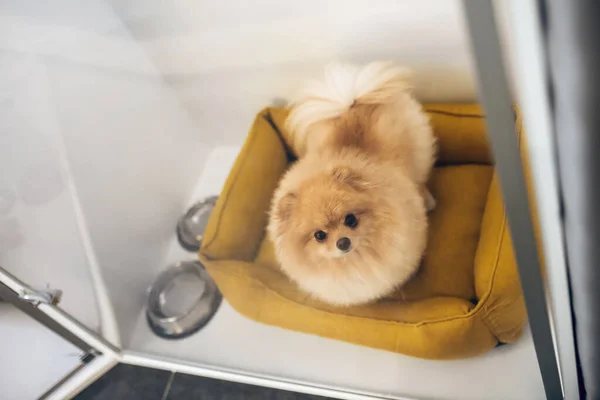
(39, 232)
(34, 358)
(133, 111)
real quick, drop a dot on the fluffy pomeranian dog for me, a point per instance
(349, 219)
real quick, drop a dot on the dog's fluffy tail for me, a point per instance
(345, 86)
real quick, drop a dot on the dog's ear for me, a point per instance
(283, 209)
(350, 177)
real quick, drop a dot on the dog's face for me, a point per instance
(329, 217)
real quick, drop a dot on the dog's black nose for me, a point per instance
(343, 244)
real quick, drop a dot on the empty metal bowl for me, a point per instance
(182, 300)
(191, 226)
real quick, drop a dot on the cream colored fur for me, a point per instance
(365, 148)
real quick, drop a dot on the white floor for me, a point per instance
(33, 358)
(233, 342)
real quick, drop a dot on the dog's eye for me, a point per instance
(351, 221)
(320, 236)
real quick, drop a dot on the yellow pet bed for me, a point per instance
(465, 299)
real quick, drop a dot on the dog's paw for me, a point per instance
(429, 200)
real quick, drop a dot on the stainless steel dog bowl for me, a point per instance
(182, 300)
(191, 226)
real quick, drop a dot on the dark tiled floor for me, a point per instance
(127, 382)
(136, 383)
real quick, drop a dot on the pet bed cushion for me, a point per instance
(465, 299)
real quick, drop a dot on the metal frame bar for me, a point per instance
(497, 101)
(12, 297)
(54, 313)
(81, 378)
(531, 74)
(105, 355)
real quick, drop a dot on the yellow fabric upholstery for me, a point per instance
(465, 298)
(241, 210)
